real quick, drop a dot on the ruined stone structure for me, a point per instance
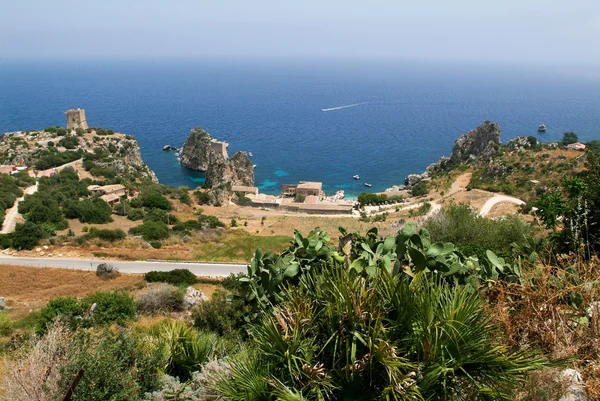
(76, 119)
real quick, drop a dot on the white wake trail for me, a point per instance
(344, 107)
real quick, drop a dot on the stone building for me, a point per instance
(76, 119)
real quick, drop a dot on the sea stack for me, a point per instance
(202, 152)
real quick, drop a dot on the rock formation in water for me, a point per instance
(202, 152)
(195, 153)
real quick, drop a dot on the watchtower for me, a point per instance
(76, 119)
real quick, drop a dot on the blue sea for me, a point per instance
(402, 116)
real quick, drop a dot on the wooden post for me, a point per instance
(74, 384)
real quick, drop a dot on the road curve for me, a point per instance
(494, 200)
(199, 269)
(10, 220)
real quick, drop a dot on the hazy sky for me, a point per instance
(513, 31)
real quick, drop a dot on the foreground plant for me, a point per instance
(340, 334)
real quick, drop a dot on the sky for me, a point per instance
(507, 31)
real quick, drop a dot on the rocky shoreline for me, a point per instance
(478, 145)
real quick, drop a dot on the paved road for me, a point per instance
(10, 220)
(199, 269)
(494, 200)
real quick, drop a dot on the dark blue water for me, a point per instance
(412, 115)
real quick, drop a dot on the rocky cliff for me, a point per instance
(126, 159)
(196, 150)
(480, 144)
(477, 145)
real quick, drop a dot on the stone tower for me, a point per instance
(76, 119)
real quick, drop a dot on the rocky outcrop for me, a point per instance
(125, 157)
(479, 144)
(193, 297)
(196, 150)
(204, 153)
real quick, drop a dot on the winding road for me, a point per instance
(10, 219)
(494, 200)
(199, 269)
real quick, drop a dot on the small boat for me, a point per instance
(542, 128)
(356, 177)
(250, 154)
(368, 185)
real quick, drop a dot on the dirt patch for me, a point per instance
(30, 288)
(503, 209)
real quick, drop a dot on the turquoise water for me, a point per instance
(400, 118)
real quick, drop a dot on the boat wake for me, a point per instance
(344, 107)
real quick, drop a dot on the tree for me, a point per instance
(153, 199)
(27, 235)
(569, 137)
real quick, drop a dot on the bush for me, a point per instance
(219, 315)
(111, 307)
(26, 235)
(6, 325)
(110, 235)
(569, 138)
(151, 231)
(135, 214)
(209, 221)
(153, 199)
(156, 244)
(203, 198)
(420, 189)
(175, 277)
(116, 366)
(365, 198)
(107, 271)
(161, 298)
(474, 234)
(161, 216)
(69, 142)
(94, 211)
(65, 309)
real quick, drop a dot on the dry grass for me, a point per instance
(537, 313)
(30, 288)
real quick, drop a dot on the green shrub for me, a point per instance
(161, 216)
(106, 234)
(220, 315)
(135, 214)
(156, 244)
(151, 231)
(161, 298)
(203, 198)
(116, 366)
(153, 199)
(186, 349)
(421, 189)
(69, 142)
(175, 277)
(26, 235)
(6, 325)
(111, 307)
(365, 198)
(66, 309)
(209, 221)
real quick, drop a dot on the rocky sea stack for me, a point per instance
(202, 152)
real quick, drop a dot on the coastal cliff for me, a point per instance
(478, 145)
(202, 152)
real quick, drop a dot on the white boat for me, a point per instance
(250, 154)
(368, 185)
(356, 177)
(542, 128)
